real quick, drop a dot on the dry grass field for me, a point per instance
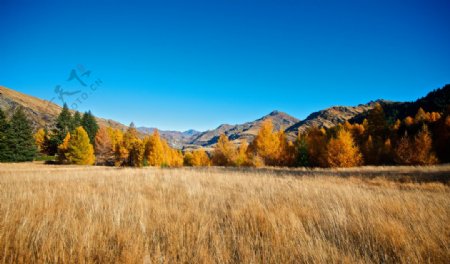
(64, 214)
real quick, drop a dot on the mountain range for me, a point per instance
(42, 113)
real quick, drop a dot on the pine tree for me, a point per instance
(79, 150)
(90, 125)
(19, 139)
(76, 120)
(104, 149)
(64, 125)
(342, 151)
(4, 148)
(301, 145)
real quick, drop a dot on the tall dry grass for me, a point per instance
(107, 215)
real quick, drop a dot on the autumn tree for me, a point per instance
(241, 158)
(200, 158)
(316, 140)
(423, 144)
(104, 149)
(404, 151)
(224, 152)
(63, 148)
(154, 150)
(342, 151)
(267, 144)
(79, 150)
(40, 138)
(136, 153)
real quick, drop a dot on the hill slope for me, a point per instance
(246, 131)
(41, 113)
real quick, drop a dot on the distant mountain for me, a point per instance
(246, 131)
(331, 116)
(437, 100)
(176, 139)
(41, 113)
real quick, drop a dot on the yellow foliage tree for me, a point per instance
(154, 150)
(104, 148)
(342, 151)
(267, 144)
(316, 140)
(40, 138)
(200, 158)
(241, 158)
(62, 149)
(136, 153)
(79, 150)
(423, 148)
(224, 152)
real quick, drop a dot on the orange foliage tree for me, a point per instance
(342, 151)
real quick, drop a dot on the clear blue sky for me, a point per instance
(197, 64)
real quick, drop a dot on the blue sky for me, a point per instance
(197, 64)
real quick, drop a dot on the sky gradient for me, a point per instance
(197, 64)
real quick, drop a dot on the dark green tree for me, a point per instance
(63, 125)
(76, 121)
(3, 140)
(19, 138)
(90, 125)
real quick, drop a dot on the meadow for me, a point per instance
(78, 214)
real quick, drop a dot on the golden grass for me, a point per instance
(64, 214)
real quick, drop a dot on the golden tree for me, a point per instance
(224, 152)
(404, 151)
(423, 148)
(62, 149)
(40, 137)
(136, 153)
(241, 158)
(342, 151)
(200, 158)
(104, 148)
(267, 144)
(316, 140)
(79, 150)
(154, 150)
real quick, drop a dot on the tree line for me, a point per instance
(421, 139)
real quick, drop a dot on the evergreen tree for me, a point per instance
(64, 125)
(90, 125)
(76, 122)
(301, 145)
(19, 139)
(4, 151)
